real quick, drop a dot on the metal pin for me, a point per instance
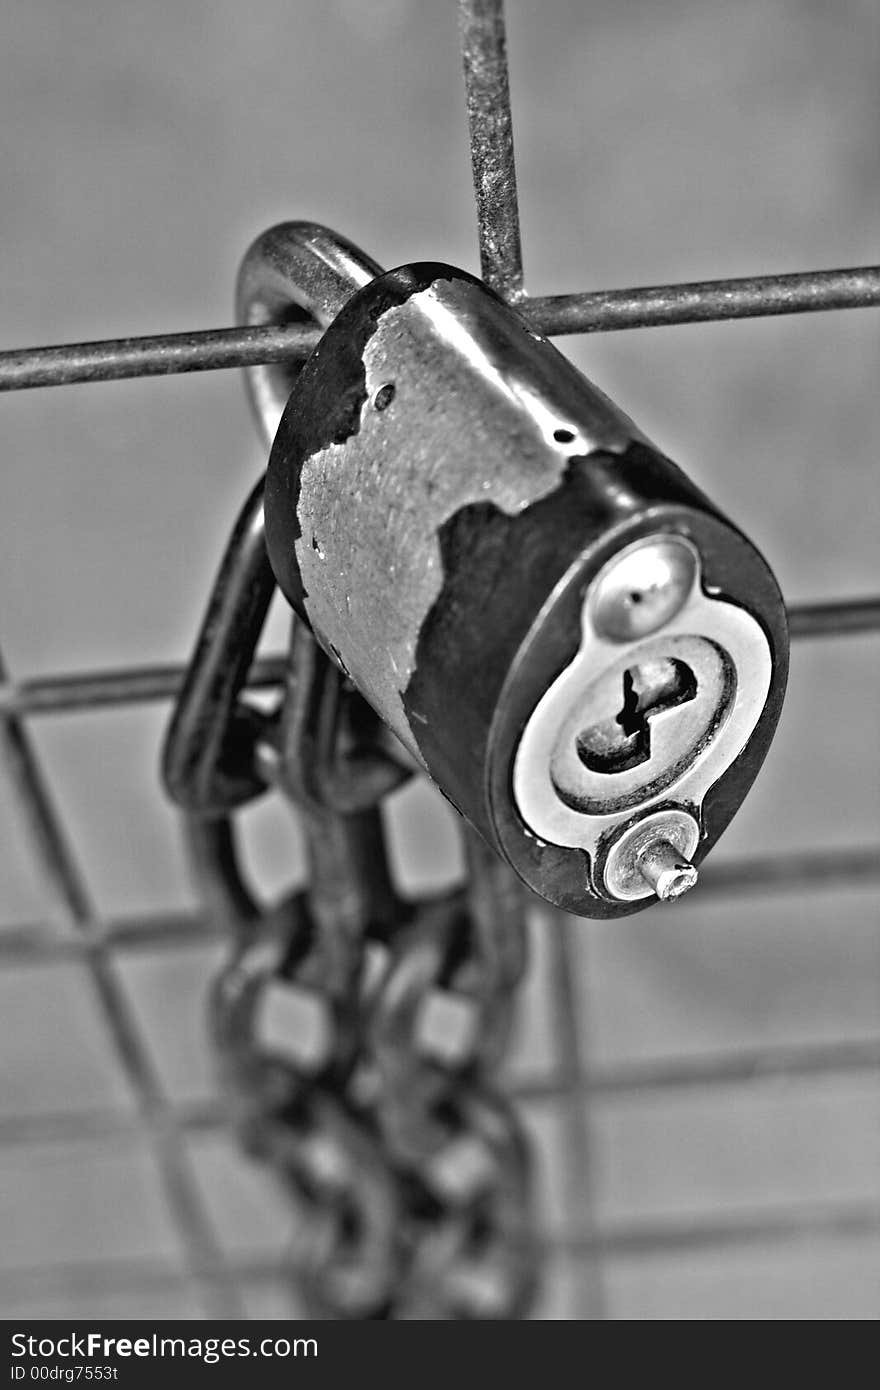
(666, 869)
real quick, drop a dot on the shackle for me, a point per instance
(292, 273)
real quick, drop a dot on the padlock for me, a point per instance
(580, 650)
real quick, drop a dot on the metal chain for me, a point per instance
(406, 1167)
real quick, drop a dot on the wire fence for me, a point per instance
(99, 943)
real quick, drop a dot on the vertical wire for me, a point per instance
(484, 56)
(574, 1078)
(69, 902)
(72, 907)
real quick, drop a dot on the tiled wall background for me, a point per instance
(141, 147)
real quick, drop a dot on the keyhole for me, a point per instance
(624, 741)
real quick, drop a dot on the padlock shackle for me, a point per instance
(294, 272)
(208, 759)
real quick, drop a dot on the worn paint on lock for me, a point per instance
(401, 432)
(443, 490)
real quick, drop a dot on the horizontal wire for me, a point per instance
(834, 618)
(132, 685)
(847, 1220)
(739, 1067)
(599, 311)
(166, 354)
(704, 301)
(851, 1219)
(119, 1274)
(91, 690)
(32, 943)
(848, 867)
(736, 1068)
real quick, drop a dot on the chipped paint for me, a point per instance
(470, 385)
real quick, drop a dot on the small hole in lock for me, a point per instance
(384, 396)
(563, 436)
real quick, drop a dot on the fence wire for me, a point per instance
(98, 943)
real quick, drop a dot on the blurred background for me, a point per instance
(142, 147)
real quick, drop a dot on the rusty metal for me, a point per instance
(398, 1166)
(332, 1126)
(484, 55)
(594, 311)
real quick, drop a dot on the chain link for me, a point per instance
(406, 1167)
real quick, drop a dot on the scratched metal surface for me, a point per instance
(500, 450)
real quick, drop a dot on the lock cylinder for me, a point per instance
(579, 649)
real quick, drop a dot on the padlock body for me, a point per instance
(444, 493)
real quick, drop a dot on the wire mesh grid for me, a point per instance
(575, 1081)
